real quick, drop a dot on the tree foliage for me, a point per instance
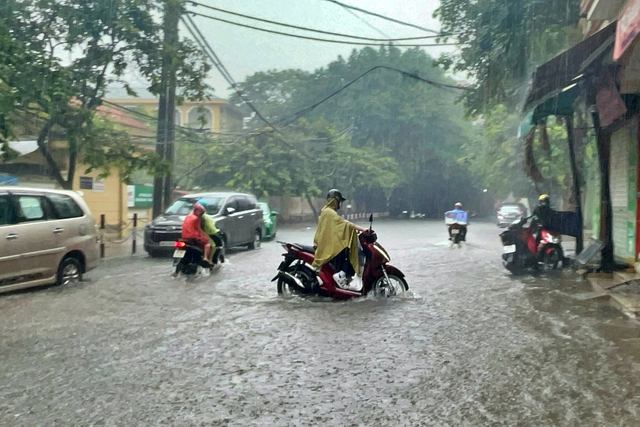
(61, 55)
(418, 125)
(501, 43)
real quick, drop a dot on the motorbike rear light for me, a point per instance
(180, 245)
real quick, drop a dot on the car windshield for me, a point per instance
(510, 209)
(184, 206)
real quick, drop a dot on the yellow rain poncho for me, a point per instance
(333, 235)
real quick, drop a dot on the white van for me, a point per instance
(46, 237)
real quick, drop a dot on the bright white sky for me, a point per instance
(244, 51)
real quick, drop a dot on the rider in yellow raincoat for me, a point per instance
(336, 240)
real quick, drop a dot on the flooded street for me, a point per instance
(470, 346)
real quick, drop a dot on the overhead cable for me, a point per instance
(330, 33)
(415, 76)
(199, 38)
(316, 38)
(377, 15)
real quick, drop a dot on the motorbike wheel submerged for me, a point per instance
(523, 251)
(297, 277)
(187, 257)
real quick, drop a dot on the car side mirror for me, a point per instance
(274, 213)
(229, 210)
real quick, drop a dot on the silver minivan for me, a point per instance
(46, 237)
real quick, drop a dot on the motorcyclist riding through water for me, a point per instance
(192, 230)
(336, 241)
(461, 218)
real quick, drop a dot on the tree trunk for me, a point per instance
(606, 215)
(577, 194)
(54, 169)
(313, 208)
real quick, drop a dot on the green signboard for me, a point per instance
(139, 196)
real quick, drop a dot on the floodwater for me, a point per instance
(469, 346)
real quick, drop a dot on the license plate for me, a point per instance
(454, 231)
(166, 243)
(179, 253)
(509, 249)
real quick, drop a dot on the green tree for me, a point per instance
(501, 41)
(418, 124)
(103, 38)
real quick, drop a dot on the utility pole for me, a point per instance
(162, 187)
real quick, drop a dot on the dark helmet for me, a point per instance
(544, 200)
(335, 194)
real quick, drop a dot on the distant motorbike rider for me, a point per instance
(462, 219)
(336, 241)
(192, 230)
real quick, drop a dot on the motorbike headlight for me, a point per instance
(556, 239)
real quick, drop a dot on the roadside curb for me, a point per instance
(606, 288)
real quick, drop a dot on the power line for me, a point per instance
(315, 38)
(377, 15)
(197, 35)
(367, 23)
(388, 39)
(415, 76)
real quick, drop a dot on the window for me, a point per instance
(233, 203)
(181, 207)
(200, 118)
(212, 204)
(65, 207)
(177, 117)
(247, 203)
(7, 216)
(30, 208)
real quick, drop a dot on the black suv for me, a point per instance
(237, 216)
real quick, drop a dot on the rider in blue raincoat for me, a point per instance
(461, 218)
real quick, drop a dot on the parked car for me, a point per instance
(237, 216)
(509, 212)
(47, 237)
(270, 220)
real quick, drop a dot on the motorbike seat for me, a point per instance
(305, 248)
(193, 244)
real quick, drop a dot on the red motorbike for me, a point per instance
(297, 277)
(530, 246)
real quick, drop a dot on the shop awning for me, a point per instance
(557, 75)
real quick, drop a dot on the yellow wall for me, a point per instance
(112, 202)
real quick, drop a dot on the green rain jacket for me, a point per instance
(209, 226)
(333, 235)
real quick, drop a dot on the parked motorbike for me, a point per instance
(296, 276)
(527, 245)
(188, 256)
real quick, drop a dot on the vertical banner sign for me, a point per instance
(628, 28)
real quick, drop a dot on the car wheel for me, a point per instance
(257, 239)
(69, 271)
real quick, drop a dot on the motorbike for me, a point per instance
(188, 256)
(456, 233)
(297, 277)
(531, 247)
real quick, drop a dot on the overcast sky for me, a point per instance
(245, 51)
